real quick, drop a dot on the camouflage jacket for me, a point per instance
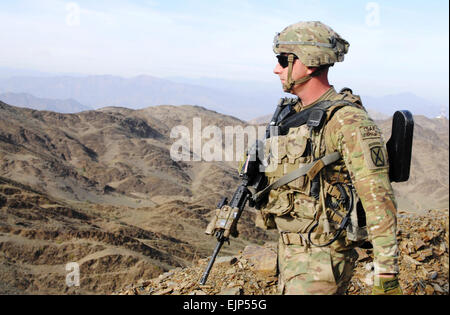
(364, 165)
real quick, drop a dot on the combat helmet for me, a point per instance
(314, 43)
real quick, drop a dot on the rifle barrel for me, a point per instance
(211, 261)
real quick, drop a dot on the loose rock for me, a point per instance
(423, 245)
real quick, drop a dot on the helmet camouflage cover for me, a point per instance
(314, 43)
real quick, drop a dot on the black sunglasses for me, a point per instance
(283, 60)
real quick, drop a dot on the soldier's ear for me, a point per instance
(317, 71)
(310, 70)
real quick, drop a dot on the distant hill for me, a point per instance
(6, 72)
(134, 93)
(428, 185)
(29, 101)
(242, 99)
(100, 188)
(380, 107)
(389, 104)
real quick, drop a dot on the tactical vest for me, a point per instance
(314, 197)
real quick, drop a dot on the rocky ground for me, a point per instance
(424, 264)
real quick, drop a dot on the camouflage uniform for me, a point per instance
(306, 269)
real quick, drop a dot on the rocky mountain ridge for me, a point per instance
(100, 188)
(110, 169)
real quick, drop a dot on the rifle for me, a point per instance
(253, 181)
(228, 215)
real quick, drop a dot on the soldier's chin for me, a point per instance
(285, 89)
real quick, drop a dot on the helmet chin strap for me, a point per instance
(290, 83)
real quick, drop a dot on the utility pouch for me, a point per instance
(224, 219)
(399, 146)
(220, 219)
(210, 229)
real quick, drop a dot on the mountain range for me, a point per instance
(29, 101)
(243, 99)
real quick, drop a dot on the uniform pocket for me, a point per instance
(278, 148)
(296, 143)
(275, 151)
(280, 203)
(304, 207)
(306, 270)
(297, 156)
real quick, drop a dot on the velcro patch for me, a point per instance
(368, 132)
(375, 154)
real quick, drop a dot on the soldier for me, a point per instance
(313, 257)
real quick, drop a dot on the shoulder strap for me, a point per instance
(300, 118)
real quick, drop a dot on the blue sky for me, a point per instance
(396, 46)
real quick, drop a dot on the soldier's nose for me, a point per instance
(278, 69)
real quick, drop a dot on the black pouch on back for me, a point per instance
(399, 146)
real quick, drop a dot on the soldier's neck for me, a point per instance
(312, 90)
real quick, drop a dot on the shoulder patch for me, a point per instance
(371, 131)
(372, 144)
(377, 155)
(374, 150)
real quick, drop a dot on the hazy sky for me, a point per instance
(396, 46)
